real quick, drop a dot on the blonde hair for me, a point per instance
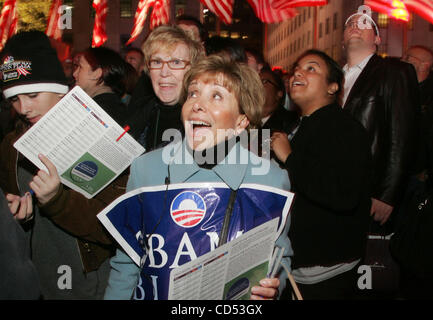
(238, 78)
(166, 38)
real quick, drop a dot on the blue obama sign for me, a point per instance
(163, 227)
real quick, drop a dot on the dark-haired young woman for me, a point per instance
(328, 161)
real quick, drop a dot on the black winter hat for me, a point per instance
(29, 64)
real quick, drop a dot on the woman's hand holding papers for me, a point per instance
(46, 184)
(268, 289)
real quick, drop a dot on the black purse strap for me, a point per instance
(227, 217)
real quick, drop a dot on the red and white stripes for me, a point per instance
(160, 15)
(223, 9)
(53, 29)
(8, 21)
(423, 8)
(268, 11)
(271, 11)
(99, 33)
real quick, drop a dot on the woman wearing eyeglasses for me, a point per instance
(169, 53)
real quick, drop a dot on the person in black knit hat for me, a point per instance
(68, 264)
(30, 64)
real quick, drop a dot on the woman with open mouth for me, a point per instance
(223, 100)
(169, 53)
(328, 161)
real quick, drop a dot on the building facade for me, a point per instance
(323, 27)
(314, 27)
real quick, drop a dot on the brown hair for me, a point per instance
(238, 78)
(167, 38)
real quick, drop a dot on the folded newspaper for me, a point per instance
(82, 141)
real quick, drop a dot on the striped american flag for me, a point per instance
(53, 29)
(423, 8)
(99, 33)
(160, 15)
(8, 21)
(272, 11)
(268, 11)
(396, 9)
(223, 9)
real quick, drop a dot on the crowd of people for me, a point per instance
(354, 143)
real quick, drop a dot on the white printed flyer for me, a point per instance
(88, 148)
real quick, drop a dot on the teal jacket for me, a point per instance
(175, 162)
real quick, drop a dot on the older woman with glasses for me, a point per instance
(169, 53)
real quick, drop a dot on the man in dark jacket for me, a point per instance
(422, 60)
(381, 93)
(275, 118)
(413, 284)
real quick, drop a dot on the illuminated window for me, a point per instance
(126, 9)
(383, 20)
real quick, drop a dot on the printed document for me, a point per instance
(82, 141)
(228, 272)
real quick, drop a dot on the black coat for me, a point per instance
(426, 139)
(151, 119)
(18, 276)
(281, 120)
(330, 170)
(385, 100)
(112, 104)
